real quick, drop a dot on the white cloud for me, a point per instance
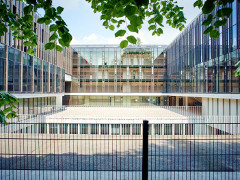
(70, 5)
(74, 41)
(91, 37)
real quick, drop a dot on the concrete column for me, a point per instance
(210, 107)
(6, 67)
(183, 133)
(233, 107)
(120, 129)
(238, 105)
(99, 129)
(110, 129)
(215, 107)
(78, 128)
(162, 129)
(141, 129)
(89, 129)
(130, 129)
(173, 129)
(185, 101)
(68, 129)
(226, 105)
(58, 100)
(220, 107)
(152, 129)
(47, 128)
(177, 100)
(205, 108)
(58, 128)
(21, 72)
(86, 100)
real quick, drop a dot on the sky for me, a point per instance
(86, 27)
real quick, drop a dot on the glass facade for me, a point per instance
(197, 63)
(13, 70)
(2, 65)
(110, 69)
(27, 73)
(36, 105)
(119, 100)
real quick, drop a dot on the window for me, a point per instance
(53, 128)
(158, 129)
(178, 129)
(104, 129)
(115, 129)
(94, 128)
(73, 128)
(125, 129)
(63, 128)
(83, 128)
(136, 129)
(167, 129)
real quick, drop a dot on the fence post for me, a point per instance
(145, 151)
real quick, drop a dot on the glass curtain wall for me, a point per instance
(2, 65)
(110, 69)
(199, 64)
(13, 70)
(27, 73)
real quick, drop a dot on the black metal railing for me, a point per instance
(162, 150)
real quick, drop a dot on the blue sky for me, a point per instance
(86, 27)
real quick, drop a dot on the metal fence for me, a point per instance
(192, 148)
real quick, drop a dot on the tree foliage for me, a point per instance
(7, 100)
(23, 27)
(134, 12)
(114, 13)
(215, 20)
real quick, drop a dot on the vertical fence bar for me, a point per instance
(145, 151)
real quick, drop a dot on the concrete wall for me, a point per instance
(220, 107)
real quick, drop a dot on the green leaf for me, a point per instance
(152, 27)
(27, 9)
(198, 3)
(214, 34)
(30, 51)
(132, 39)
(224, 12)
(53, 27)
(208, 30)
(114, 21)
(132, 28)
(159, 19)
(41, 20)
(50, 46)
(66, 38)
(27, 43)
(58, 48)
(130, 10)
(208, 6)
(208, 20)
(59, 9)
(120, 33)
(47, 21)
(124, 44)
(111, 27)
(219, 23)
(53, 37)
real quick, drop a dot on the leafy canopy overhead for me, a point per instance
(114, 13)
(23, 27)
(134, 12)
